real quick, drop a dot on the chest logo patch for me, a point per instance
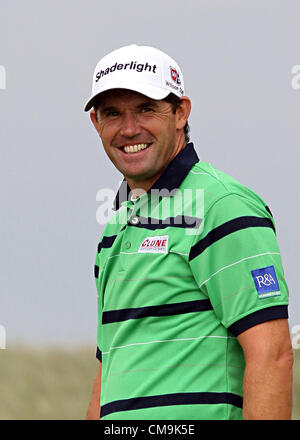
(156, 245)
(266, 282)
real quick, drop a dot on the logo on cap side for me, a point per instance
(175, 75)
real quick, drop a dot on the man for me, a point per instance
(192, 299)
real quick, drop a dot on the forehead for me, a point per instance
(122, 96)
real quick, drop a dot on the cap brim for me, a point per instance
(145, 89)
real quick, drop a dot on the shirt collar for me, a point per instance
(170, 179)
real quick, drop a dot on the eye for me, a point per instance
(112, 113)
(146, 109)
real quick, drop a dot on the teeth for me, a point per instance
(135, 148)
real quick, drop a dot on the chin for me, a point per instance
(138, 176)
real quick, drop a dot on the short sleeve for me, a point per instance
(236, 263)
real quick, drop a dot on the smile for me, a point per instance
(135, 148)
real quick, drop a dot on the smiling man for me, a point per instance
(192, 309)
(141, 136)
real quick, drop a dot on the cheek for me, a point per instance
(158, 126)
(102, 129)
(106, 133)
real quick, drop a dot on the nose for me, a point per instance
(130, 126)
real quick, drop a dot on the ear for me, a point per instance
(183, 111)
(94, 120)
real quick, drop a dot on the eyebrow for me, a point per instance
(139, 106)
(147, 104)
(108, 109)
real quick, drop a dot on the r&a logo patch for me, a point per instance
(266, 282)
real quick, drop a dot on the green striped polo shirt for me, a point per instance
(180, 273)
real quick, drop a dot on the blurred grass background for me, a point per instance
(49, 383)
(55, 383)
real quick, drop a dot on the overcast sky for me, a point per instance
(237, 59)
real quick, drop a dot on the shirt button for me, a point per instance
(134, 220)
(127, 244)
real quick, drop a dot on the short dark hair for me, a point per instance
(172, 99)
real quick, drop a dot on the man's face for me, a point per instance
(127, 120)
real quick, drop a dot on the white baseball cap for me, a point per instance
(143, 69)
